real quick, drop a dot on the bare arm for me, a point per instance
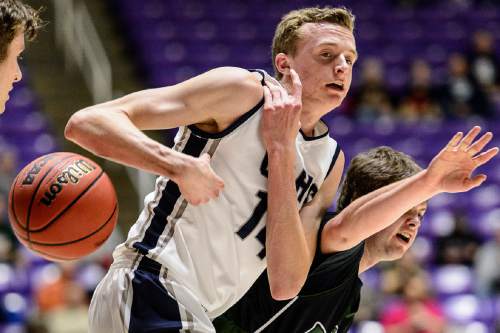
(113, 129)
(449, 171)
(312, 213)
(290, 236)
(373, 212)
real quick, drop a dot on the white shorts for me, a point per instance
(137, 297)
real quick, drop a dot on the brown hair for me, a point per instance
(16, 17)
(287, 32)
(371, 170)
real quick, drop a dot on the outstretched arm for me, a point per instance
(113, 129)
(450, 171)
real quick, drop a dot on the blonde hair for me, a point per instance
(286, 34)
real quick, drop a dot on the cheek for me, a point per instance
(308, 80)
(3, 73)
(349, 78)
(382, 238)
(7, 73)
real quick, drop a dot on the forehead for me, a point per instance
(422, 206)
(315, 34)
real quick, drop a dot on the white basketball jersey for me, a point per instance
(217, 249)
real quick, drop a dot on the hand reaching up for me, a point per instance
(451, 170)
(281, 117)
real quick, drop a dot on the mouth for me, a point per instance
(337, 86)
(404, 236)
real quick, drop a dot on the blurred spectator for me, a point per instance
(459, 247)
(420, 100)
(397, 273)
(63, 304)
(8, 164)
(35, 325)
(7, 239)
(487, 265)
(57, 294)
(372, 100)
(416, 311)
(72, 317)
(369, 305)
(461, 95)
(484, 63)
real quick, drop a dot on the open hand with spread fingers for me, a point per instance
(281, 117)
(451, 170)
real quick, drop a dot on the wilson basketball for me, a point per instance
(62, 206)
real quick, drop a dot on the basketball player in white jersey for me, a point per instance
(244, 187)
(17, 21)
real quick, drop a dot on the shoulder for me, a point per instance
(218, 96)
(236, 79)
(225, 92)
(242, 92)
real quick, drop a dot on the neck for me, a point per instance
(308, 123)
(369, 258)
(310, 115)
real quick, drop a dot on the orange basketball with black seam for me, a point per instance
(62, 206)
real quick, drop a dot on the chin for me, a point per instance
(399, 255)
(339, 100)
(334, 102)
(396, 253)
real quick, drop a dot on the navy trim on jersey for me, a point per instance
(334, 159)
(261, 72)
(199, 132)
(169, 197)
(153, 310)
(312, 138)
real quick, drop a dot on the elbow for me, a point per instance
(78, 124)
(282, 293)
(285, 290)
(73, 126)
(84, 128)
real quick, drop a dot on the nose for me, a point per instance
(341, 65)
(413, 221)
(19, 74)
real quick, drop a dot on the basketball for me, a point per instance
(62, 206)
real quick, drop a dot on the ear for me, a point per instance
(282, 63)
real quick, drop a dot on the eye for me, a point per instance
(349, 61)
(326, 55)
